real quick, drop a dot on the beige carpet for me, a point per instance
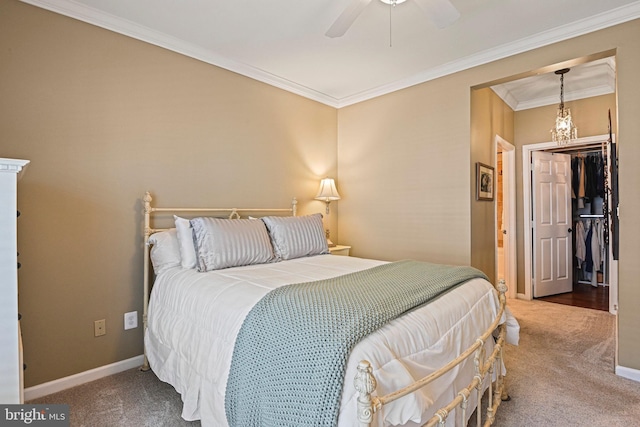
(561, 375)
(128, 399)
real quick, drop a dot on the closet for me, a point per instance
(591, 241)
(590, 228)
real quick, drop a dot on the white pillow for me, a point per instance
(165, 251)
(222, 243)
(297, 236)
(185, 240)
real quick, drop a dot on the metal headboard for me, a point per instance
(149, 210)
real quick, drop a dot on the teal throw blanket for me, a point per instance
(291, 352)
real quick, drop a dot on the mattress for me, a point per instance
(194, 317)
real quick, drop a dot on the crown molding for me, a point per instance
(568, 96)
(92, 16)
(506, 96)
(131, 29)
(597, 22)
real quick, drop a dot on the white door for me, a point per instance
(552, 240)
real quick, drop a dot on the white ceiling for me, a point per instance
(283, 42)
(592, 78)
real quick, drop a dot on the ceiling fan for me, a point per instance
(441, 12)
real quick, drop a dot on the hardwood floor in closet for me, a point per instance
(583, 295)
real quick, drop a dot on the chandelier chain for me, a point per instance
(561, 90)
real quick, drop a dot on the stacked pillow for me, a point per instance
(296, 236)
(185, 240)
(165, 251)
(222, 243)
(208, 243)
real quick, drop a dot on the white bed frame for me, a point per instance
(486, 368)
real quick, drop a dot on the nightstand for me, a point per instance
(340, 250)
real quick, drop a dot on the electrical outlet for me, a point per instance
(131, 320)
(100, 328)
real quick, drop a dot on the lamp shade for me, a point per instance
(327, 191)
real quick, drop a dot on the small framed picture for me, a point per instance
(484, 182)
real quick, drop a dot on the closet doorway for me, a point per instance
(593, 286)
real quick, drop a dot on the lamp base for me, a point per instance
(329, 242)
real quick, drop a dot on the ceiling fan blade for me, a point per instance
(346, 18)
(442, 12)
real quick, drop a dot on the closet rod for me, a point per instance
(575, 151)
(590, 148)
(586, 152)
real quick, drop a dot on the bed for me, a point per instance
(431, 365)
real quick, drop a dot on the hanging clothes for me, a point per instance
(602, 230)
(595, 245)
(575, 177)
(589, 247)
(588, 190)
(581, 183)
(599, 175)
(587, 178)
(589, 181)
(581, 248)
(588, 256)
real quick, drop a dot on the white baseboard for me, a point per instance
(81, 378)
(632, 374)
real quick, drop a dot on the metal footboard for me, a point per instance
(365, 382)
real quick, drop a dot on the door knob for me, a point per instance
(570, 230)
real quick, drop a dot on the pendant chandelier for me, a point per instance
(564, 130)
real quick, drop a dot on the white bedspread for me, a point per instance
(194, 317)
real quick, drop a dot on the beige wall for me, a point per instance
(532, 126)
(404, 177)
(406, 161)
(628, 64)
(490, 116)
(103, 117)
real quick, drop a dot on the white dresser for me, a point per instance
(11, 379)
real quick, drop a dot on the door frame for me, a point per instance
(509, 207)
(528, 219)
